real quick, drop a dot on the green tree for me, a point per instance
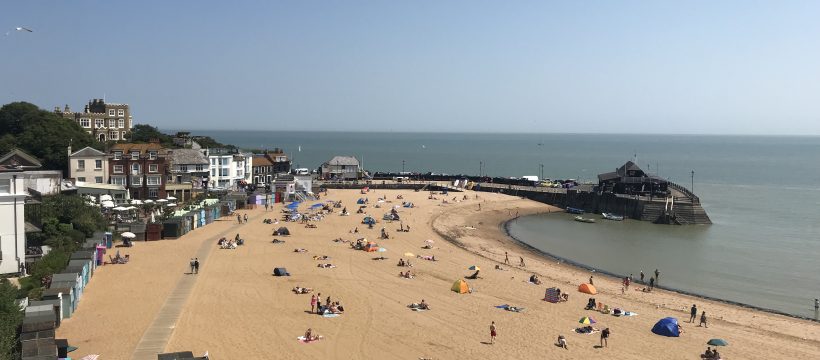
(72, 209)
(43, 134)
(12, 318)
(142, 133)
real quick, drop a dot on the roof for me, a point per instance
(629, 166)
(343, 160)
(187, 157)
(87, 152)
(261, 161)
(129, 147)
(17, 158)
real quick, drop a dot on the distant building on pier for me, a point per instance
(631, 179)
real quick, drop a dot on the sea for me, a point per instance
(761, 192)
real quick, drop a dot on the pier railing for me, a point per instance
(685, 191)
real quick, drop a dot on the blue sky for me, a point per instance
(702, 67)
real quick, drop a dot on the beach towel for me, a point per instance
(303, 340)
(417, 309)
(330, 315)
(502, 306)
(629, 313)
(578, 331)
(509, 308)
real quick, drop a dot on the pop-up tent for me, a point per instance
(280, 272)
(460, 286)
(667, 327)
(369, 220)
(587, 289)
(371, 247)
(282, 231)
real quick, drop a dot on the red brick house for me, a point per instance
(140, 168)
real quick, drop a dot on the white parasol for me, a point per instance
(170, 198)
(136, 201)
(108, 205)
(149, 201)
(106, 197)
(171, 205)
(162, 200)
(128, 235)
(119, 208)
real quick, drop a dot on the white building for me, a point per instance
(341, 168)
(229, 169)
(12, 222)
(88, 165)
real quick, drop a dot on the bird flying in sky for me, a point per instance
(23, 29)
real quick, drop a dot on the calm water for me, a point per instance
(762, 193)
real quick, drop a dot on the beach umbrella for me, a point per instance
(108, 205)
(128, 235)
(586, 320)
(131, 208)
(474, 267)
(119, 208)
(429, 241)
(409, 254)
(162, 200)
(105, 197)
(171, 205)
(149, 201)
(170, 198)
(136, 201)
(717, 342)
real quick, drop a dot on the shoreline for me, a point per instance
(584, 267)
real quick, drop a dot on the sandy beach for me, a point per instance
(238, 310)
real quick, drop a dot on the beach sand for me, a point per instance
(237, 310)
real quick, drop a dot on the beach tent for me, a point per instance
(371, 247)
(360, 201)
(587, 289)
(460, 286)
(667, 327)
(552, 295)
(369, 220)
(283, 231)
(280, 272)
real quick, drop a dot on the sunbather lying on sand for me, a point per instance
(300, 250)
(277, 241)
(421, 306)
(340, 240)
(406, 275)
(310, 336)
(427, 257)
(326, 266)
(323, 257)
(586, 330)
(380, 258)
(301, 290)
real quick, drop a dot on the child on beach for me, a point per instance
(492, 333)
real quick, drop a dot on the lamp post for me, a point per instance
(693, 182)
(402, 167)
(480, 167)
(542, 172)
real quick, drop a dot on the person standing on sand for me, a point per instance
(590, 280)
(507, 261)
(192, 265)
(641, 275)
(703, 320)
(313, 303)
(693, 313)
(239, 218)
(318, 300)
(246, 218)
(522, 261)
(657, 276)
(492, 333)
(651, 283)
(604, 337)
(196, 265)
(479, 207)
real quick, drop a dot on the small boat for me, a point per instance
(613, 217)
(573, 210)
(584, 220)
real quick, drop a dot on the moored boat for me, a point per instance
(573, 210)
(611, 216)
(584, 220)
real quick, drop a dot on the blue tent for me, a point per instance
(667, 327)
(316, 206)
(368, 220)
(360, 201)
(293, 205)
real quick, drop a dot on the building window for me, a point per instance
(118, 169)
(115, 135)
(121, 123)
(213, 161)
(98, 164)
(123, 135)
(119, 180)
(117, 155)
(98, 179)
(135, 168)
(99, 123)
(153, 193)
(112, 112)
(239, 173)
(5, 186)
(200, 167)
(152, 155)
(136, 180)
(224, 161)
(112, 123)
(135, 155)
(86, 123)
(213, 172)
(183, 168)
(120, 112)
(81, 165)
(153, 168)
(154, 180)
(223, 172)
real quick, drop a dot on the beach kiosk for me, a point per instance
(64, 295)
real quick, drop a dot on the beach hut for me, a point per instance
(38, 345)
(64, 295)
(82, 267)
(75, 282)
(587, 289)
(371, 247)
(88, 255)
(39, 320)
(69, 292)
(552, 295)
(171, 228)
(45, 305)
(667, 327)
(280, 271)
(460, 286)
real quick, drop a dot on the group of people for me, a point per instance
(419, 306)
(301, 290)
(710, 354)
(194, 265)
(224, 243)
(242, 219)
(693, 313)
(403, 263)
(406, 275)
(333, 307)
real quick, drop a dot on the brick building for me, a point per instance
(140, 168)
(105, 121)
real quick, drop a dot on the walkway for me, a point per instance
(156, 337)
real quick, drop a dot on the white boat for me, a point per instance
(584, 220)
(611, 216)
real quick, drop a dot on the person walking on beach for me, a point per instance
(479, 207)
(192, 265)
(196, 265)
(641, 275)
(318, 300)
(507, 261)
(657, 276)
(816, 305)
(492, 333)
(693, 313)
(703, 320)
(522, 261)
(590, 280)
(239, 218)
(651, 283)
(246, 218)
(604, 337)
(267, 206)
